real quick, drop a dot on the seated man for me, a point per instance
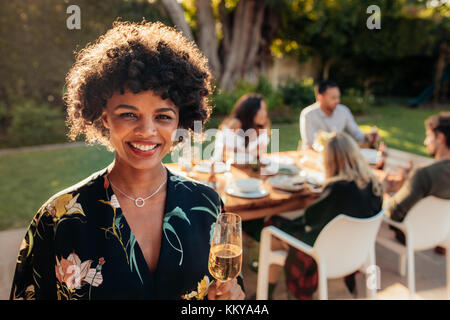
(430, 180)
(328, 115)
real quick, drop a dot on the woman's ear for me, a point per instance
(105, 119)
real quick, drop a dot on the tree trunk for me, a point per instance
(326, 69)
(247, 31)
(443, 52)
(226, 30)
(243, 24)
(255, 43)
(207, 38)
(176, 13)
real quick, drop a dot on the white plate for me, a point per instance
(205, 167)
(287, 183)
(317, 178)
(288, 169)
(279, 159)
(234, 191)
(371, 155)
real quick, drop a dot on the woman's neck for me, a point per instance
(136, 182)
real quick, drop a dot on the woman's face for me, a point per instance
(260, 118)
(141, 127)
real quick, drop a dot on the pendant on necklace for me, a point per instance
(139, 202)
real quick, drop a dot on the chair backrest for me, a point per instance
(344, 243)
(429, 220)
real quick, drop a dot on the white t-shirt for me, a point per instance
(313, 120)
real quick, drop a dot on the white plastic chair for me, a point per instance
(344, 246)
(426, 226)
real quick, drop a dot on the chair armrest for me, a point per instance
(292, 241)
(393, 223)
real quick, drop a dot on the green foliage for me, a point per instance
(356, 101)
(37, 49)
(335, 31)
(283, 103)
(36, 124)
(223, 101)
(298, 95)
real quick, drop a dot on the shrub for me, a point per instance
(298, 95)
(223, 101)
(356, 101)
(33, 124)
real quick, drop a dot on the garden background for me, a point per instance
(393, 77)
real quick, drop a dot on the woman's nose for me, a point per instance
(146, 127)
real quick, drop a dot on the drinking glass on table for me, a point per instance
(228, 157)
(225, 255)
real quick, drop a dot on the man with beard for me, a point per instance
(430, 180)
(328, 115)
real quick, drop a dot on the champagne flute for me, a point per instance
(225, 254)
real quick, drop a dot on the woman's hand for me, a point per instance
(230, 290)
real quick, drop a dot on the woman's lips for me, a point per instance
(143, 149)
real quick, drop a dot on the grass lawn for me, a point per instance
(27, 179)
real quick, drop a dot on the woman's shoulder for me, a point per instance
(68, 199)
(231, 124)
(348, 186)
(341, 184)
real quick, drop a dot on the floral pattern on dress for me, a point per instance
(64, 251)
(72, 274)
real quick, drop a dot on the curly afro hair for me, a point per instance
(138, 57)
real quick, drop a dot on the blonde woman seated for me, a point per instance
(245, 131)
(351, 189)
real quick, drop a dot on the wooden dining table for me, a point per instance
(277, 201)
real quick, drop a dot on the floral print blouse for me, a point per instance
(80, 246)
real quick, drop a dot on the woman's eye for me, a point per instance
(128, 115)
(163, 117)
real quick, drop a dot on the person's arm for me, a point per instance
(414, 189)
(35, 276)
(352, 127)
(307, 130)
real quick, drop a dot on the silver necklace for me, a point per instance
(140, 202)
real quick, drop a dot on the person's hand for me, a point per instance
(372, 138)
(229, 290)
(393, 181)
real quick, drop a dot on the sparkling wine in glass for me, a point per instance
(225, 254)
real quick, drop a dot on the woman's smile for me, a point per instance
(144, 149)
(141, 127)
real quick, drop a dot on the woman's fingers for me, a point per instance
(230, 290)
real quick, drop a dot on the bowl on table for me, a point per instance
(372, 156)
(248, 185)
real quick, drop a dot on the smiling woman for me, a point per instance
(133, 230)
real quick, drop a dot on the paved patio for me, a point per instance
(430, 273)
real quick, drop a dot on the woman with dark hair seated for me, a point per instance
(245, 130)
(350, 189)
(133, 230)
